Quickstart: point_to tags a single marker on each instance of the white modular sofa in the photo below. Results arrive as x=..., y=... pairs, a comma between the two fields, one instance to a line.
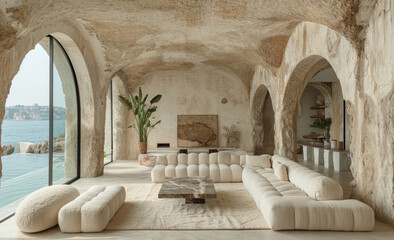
x=220, y=167
x=307, y=201
x=304, y=200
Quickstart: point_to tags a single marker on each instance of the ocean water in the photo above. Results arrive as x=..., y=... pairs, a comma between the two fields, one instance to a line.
x=24, y=173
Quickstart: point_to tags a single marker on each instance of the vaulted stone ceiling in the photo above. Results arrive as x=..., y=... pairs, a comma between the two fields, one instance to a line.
x=141, y=36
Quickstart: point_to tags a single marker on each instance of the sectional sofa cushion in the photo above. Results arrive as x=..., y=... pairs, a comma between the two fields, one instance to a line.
x=192, y=159
x=316, y=185
x=182, y=159
x=39, y=210
x=235, y=159
x=263, y=161
x=280, y=172
x=224, y=158
x=203, y=158
x=213, y=158
x=172, y=159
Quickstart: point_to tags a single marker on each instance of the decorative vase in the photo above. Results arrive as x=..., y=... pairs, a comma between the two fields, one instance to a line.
x=333, y=144
x=340, y=145
x=142, y=147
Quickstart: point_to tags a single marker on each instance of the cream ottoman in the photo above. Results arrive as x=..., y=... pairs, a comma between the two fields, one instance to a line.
x=92, y=210
x=39, y=210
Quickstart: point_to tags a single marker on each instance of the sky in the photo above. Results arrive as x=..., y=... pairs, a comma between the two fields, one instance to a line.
x=31, y=84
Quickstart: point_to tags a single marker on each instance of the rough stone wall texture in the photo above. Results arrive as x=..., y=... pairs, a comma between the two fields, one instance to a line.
x=86, y=69
x=120, y=120
x=337, y=112
x=373, y=134
x=367, y=86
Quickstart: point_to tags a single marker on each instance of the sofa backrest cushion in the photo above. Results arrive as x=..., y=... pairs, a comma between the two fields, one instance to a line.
x=213, y=158
x=235, y=159
x=224, y=158
x=161, y=160
x=316, y=185
x=182, y=159
x=263, y=161
x=203, y=158
x=192, y=159
x=172, y=159
x=280, y=172
x=242, y=160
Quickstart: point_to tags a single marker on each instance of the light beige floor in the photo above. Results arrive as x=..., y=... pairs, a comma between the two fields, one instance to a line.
x=123, y=172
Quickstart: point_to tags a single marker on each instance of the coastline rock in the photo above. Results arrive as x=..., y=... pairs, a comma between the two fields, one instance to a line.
x=41, y=148
x=7, y=150
x=44, y=147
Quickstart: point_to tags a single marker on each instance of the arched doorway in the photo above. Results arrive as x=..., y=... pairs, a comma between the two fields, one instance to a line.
x=41, y=125
x=263, y=122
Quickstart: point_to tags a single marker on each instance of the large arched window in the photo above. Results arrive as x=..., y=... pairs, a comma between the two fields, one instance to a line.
x=41, y=125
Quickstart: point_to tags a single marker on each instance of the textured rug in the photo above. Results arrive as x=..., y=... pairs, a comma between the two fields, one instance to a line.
x=233, y=208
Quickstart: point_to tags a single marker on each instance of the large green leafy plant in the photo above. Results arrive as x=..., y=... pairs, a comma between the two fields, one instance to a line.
x=142, y=113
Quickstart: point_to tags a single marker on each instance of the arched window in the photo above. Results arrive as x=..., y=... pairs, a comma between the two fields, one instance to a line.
x=41, y=126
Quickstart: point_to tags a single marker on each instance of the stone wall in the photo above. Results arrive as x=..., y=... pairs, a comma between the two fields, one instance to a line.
x=80, y=50
x=372, y=132
x=197, y=91
x=366, y=80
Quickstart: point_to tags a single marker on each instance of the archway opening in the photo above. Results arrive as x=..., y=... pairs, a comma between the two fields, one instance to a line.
x=320, y=123
x=40, y=130
x=263, y=122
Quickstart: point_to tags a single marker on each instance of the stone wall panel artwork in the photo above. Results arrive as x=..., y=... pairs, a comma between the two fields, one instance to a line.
x=197, y=130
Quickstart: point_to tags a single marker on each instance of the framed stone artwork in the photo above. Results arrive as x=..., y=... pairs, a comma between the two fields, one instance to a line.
x=197, y=131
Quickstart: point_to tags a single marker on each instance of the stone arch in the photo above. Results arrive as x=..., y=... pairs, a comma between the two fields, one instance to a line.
x=311, y=47
x=84, y=62
x=263, y=118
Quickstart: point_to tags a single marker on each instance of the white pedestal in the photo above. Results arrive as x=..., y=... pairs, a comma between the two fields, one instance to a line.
x=307, y=152
x=341, y=161
x=318, y=157
x=328, y=162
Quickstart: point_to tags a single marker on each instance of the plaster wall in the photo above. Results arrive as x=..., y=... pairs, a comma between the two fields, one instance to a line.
x=195, y=92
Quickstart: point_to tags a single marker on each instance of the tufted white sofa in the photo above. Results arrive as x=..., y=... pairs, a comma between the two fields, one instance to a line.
x=308, y=201
x=220, y=167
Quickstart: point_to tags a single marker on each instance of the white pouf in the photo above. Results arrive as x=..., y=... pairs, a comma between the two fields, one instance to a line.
x=92, y=211
x=38, y=211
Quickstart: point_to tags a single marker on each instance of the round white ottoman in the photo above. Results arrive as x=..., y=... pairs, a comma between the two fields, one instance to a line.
x=39, y=210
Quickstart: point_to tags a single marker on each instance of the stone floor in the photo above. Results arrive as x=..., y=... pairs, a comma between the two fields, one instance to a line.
x=123, y=172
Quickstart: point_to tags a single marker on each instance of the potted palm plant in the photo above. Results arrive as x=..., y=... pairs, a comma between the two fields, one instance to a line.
x=142, y=113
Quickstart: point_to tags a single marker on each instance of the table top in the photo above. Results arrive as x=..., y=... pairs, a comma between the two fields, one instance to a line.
x=184, y=187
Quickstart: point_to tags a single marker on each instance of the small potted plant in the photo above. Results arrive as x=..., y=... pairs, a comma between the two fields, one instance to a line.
x=324, y=123
x=142, y=113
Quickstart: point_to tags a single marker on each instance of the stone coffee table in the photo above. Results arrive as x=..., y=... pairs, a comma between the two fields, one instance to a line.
x=193, y=189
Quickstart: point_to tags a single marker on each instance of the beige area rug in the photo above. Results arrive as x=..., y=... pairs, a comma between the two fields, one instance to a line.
x=233, y=208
